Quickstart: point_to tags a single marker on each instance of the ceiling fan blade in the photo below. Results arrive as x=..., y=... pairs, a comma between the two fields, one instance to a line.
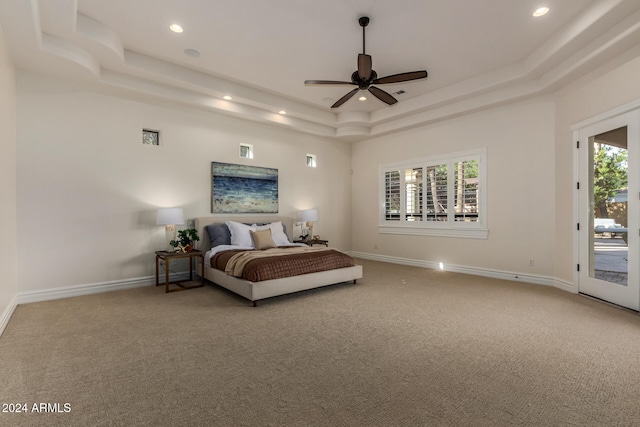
x=327, y=82
x=364, y=66
x=382, y=95
x=402, y=77
x=345, y=98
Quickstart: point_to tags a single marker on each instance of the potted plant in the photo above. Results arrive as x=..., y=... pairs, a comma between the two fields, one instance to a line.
x=185, y=240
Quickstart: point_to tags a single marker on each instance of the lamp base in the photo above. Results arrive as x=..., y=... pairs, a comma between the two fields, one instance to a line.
x=170, y=234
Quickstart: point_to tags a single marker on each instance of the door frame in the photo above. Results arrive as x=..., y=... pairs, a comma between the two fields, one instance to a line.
x=606, y=120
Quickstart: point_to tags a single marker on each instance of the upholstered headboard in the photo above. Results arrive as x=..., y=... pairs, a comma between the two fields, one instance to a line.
x=205, y=242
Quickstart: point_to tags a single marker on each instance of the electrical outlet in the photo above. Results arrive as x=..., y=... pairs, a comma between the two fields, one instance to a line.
x=531, y=263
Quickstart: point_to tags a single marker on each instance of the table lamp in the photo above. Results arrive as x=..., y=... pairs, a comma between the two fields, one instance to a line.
x=309, y=216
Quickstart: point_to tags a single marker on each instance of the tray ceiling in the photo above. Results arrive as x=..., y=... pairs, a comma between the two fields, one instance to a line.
x=478, y=54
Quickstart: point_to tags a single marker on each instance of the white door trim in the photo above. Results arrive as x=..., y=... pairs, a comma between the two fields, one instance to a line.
x=575, y=128
x=623, y=116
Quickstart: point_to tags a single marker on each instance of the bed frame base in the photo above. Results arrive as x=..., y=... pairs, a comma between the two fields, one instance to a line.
x=255, y=303
x=255, y=291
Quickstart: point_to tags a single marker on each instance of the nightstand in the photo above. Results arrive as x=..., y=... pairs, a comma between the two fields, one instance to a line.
x=167, y=257
x=313, y=242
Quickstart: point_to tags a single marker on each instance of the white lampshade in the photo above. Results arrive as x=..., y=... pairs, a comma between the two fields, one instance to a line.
x=309, y=215
x=170, y=216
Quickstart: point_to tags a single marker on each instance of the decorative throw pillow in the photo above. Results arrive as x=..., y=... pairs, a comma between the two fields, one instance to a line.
x=277, y=233
x=218, y=234
x=262, y=239
x=240, y=233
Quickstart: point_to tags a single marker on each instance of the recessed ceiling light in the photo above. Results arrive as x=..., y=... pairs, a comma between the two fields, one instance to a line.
x=362, y=98
x=176, y=28
x=192, y=53
x=541, y=11
x=227, y=97
x=282, y=112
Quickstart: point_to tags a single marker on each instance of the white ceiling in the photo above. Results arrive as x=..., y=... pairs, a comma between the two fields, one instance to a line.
x=479, y=53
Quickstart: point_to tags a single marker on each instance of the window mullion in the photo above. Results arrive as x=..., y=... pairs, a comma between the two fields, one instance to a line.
x=403, y=195
x=451, y=201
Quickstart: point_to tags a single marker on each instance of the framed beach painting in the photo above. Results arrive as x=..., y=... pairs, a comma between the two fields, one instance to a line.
x=243, y=189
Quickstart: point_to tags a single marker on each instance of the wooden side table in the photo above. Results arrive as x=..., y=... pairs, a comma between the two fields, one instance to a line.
x=181, y=285
x=313, y=242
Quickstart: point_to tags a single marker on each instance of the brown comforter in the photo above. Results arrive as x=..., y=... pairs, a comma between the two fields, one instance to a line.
x=300, y=261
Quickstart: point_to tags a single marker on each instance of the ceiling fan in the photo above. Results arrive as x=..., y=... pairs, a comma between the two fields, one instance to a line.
x=365, y=76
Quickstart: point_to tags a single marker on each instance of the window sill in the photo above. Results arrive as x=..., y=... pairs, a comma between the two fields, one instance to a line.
x=467, y=233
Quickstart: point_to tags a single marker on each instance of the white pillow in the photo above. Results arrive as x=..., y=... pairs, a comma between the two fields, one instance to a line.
x=240, y=233
x=277, y=233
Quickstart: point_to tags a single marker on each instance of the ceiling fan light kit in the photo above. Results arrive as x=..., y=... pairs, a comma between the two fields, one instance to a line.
x=365, y=76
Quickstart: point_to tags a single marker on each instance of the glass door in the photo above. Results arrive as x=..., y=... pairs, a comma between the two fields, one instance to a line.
x=608, y=211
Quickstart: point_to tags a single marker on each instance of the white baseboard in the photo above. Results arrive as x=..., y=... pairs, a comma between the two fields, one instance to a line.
x=78, y=290
x=92, y=288
x=7, y=313
x=475, y=271
x=565, y=285
x=69, y=291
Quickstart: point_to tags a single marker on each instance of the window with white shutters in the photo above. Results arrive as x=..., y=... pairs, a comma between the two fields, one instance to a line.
x=413, y=184
x=436, y=203
x=392, y=195
x=466, y=188
x=443, y=196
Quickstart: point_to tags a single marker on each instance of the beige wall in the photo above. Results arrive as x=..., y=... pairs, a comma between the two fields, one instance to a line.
x=88, y=188
x=530, y=172
x=8, y=266
x=519, y=142
x=585, y=99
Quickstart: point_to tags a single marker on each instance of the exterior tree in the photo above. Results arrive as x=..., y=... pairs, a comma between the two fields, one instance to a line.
x=609, y=175
x=466, y=185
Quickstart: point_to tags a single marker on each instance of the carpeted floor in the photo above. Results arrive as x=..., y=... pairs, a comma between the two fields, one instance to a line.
x=403, y=347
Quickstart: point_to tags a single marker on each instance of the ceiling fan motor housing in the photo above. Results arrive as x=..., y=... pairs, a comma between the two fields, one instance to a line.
x=363, y=84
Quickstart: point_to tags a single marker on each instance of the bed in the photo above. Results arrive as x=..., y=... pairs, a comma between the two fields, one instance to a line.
x=258, y=290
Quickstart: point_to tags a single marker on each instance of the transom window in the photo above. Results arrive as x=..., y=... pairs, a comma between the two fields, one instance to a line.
x=443, y=195
x=311, y=160
x=150, y=137
x=246, y=151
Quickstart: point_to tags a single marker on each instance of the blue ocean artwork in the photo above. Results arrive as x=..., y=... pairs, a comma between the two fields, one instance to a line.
x=243, y=189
